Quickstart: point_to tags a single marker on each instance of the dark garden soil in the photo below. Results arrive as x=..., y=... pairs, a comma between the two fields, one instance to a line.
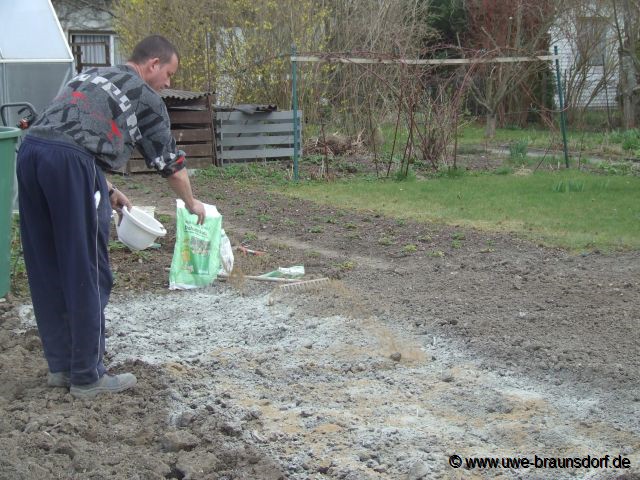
x=556, y=321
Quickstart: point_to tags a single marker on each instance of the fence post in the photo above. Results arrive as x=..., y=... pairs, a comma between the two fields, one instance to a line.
x=563, y=120
x=294, y=94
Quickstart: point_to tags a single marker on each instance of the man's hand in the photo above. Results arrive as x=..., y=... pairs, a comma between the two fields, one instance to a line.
x=118, y=201
x=180, y=184
x=197, y=208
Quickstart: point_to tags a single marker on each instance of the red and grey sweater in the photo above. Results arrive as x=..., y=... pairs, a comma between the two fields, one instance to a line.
x=109, y=111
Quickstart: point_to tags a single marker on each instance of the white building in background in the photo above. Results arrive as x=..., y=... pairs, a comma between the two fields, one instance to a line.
x=89, y=31
x=587, y=46
x=585, y=37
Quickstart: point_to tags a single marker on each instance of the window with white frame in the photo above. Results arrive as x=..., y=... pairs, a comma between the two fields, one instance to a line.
x=93, y=49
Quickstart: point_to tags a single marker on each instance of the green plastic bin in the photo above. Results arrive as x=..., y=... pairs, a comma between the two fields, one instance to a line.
x=8, y=138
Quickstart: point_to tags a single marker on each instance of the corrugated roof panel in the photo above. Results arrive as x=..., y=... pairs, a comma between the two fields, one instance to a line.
x=182, y=94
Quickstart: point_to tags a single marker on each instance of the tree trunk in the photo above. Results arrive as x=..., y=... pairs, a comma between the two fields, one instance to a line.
x=490, y=127
x=628, y=74
x=628, y=83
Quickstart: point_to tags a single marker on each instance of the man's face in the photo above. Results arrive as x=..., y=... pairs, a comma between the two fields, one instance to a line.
x=158, y=75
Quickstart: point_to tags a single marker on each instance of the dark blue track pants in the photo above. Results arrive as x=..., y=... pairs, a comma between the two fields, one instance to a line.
x=65, y=242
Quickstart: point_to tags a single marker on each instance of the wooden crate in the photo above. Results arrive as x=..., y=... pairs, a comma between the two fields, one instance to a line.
x=192, y=126
x=261, y=135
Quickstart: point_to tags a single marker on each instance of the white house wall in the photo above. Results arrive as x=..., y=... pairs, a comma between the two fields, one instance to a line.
x=568, y=53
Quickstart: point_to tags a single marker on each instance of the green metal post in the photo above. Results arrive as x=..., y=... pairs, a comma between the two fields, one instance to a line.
x=296, y=133
x=563, y=118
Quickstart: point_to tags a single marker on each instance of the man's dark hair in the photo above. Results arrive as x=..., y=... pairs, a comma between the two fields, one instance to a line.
x=154, y=46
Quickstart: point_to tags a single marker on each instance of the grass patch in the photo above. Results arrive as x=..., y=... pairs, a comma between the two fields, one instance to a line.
x=596, y=213
x=472, y=140
x=251, y=171
x=409, y=248
x=19, y=284
x=164, y=218
x=570, y=185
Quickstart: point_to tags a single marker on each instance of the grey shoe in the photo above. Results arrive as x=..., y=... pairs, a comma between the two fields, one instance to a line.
x=59, y=379
x=107, y=384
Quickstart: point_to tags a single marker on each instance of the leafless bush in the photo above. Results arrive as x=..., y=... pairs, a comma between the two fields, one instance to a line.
x=593, y=65
x=421, y=99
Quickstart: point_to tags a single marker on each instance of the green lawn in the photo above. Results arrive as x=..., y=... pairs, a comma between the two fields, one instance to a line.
x=471, y=139
x=571, y=209
x=599, y=143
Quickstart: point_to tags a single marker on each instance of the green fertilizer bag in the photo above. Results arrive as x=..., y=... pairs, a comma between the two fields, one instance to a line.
x=196, y=256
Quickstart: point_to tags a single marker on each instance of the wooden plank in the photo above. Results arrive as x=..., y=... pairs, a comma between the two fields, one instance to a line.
x=412, y=61
x=234, y=116
x=193, y=135
x=203, y=116
x=136, y=165
x=257, y=140
x=257, y=128
x=197, y=150
x=192, y=150
x=257, y=153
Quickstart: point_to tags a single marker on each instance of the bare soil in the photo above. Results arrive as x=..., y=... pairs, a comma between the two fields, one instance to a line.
x=466, y=343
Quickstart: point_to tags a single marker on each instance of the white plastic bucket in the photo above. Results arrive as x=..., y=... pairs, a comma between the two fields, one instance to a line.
x=138, y=230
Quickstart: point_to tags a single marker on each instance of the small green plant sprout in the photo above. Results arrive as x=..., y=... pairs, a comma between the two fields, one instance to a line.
x=264, y=218
x=409, y=248
x=458, y=236
x=518, y=151
x=400, y=222
x=332, y=220
x=316, y=229
x=353, y=236
x=385, y=241
x=249, y=237
x=436, y=254
x=240, y=211
x=616, y=168
x=289, y=222
x=142, y=255
x=425, y=238
x=313, y=254
x=456, y=244
x=568, y=186
x=164, y=218
x=347, y=265
x=350, y=226
x=115, y=245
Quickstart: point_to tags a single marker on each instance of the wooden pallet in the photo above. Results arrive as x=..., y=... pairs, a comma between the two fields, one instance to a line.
x=192, y=127
x=261, y=135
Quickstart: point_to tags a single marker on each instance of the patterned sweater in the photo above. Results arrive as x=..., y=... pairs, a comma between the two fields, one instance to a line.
x=109, y=111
